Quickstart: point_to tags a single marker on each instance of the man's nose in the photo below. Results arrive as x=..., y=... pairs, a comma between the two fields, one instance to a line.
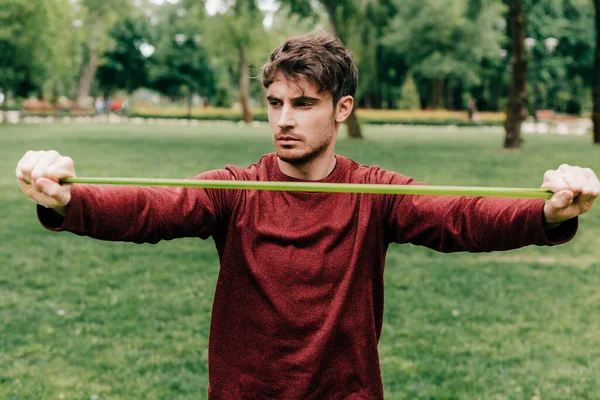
x=286, y=118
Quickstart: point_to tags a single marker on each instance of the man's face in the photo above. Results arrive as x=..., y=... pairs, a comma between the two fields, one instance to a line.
x=302, y=120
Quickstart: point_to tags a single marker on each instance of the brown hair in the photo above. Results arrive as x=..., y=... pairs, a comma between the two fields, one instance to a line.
x=319, y=57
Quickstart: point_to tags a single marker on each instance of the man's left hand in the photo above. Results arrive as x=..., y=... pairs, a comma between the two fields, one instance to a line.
x=575, y=190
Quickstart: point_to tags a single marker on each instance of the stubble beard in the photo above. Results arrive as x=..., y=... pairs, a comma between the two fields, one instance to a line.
x=312, y=153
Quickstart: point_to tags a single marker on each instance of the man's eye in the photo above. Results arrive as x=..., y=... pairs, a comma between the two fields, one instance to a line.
x=274, y=103
x=302, y=104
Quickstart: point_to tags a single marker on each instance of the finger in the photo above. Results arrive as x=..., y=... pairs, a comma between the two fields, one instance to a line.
x=62, y=168
x=548, y=176
x=576, y=179
x=562, y=199
x=592, y=184
x=26, y=164
x=554, y=181
x=48, y=158
x=48, y=187
x=51, y=193
x=564, y=168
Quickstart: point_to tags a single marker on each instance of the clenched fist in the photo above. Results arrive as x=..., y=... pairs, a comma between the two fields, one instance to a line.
x=38, y=173
x=575, y=190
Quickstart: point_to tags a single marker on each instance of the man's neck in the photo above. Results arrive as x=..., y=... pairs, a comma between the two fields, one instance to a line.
x=314, y=170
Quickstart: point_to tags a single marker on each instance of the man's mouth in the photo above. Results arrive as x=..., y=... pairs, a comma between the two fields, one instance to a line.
x=286, y=138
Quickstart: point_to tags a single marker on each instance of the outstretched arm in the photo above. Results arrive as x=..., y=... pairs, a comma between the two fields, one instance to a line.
x=449, y=224
x=118, y=213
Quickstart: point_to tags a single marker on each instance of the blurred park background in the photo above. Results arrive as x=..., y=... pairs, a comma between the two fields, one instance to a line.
x=166, y=89
x=491, y=62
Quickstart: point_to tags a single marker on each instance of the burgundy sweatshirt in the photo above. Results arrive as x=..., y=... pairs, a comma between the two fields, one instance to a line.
x=298, y=306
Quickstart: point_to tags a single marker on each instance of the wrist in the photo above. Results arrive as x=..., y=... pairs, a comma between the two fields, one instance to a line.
x=548, y=226
x=61, y=210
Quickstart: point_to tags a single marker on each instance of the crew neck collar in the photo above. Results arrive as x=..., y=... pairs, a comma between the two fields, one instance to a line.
x=275, y=173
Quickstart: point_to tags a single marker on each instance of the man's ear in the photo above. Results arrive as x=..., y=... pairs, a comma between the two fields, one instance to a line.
x=344, y=108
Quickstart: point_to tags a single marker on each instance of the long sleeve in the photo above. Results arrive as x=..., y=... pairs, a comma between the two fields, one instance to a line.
x=143, y=214
x=475, y=224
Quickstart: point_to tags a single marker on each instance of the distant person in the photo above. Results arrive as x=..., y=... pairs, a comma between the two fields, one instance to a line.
x=115, y=105
x=99, y=105
x=472, y=109
x=107, y=102
x=298, y=307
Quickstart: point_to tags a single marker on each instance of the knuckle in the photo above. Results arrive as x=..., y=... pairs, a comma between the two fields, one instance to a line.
x=50, y=190
x=27, y=169
x=36, y=171
x=24, y=167
x=68, y=162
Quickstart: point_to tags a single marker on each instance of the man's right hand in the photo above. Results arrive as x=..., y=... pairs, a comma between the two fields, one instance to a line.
x=38, y=173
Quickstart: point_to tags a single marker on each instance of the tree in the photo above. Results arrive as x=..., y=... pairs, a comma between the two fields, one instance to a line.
x=562, y=54
x=181, y=66
x=38, y=52
x=409, y=96
x=445, y=43
x=596, y=110
x=237, y=34
x=97, y=17
x=125, y=67
x=517, y=101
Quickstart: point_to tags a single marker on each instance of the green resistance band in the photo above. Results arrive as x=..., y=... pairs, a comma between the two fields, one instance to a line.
x=324, y=187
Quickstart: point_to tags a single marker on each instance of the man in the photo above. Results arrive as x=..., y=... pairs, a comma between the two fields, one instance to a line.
x=298, y=306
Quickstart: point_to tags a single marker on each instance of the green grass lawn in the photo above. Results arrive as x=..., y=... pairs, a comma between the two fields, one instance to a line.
x=85, y=319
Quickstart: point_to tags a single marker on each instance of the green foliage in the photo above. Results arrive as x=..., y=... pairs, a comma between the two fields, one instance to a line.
x=562, y=76
x=361, y=26
x=180, y=66
x=235, y=38
x=409, y=96
x=452, y=48
x=124, y=65
x=462, y=38
x=37, y=47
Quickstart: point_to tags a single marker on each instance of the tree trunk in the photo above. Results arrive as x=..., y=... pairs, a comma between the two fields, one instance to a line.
x=596, y=110
x=189, y=103
x=438, y=93
x=353, y=126
x=244, y=85
x=87, y=77
x=354, y=130
x=517, y=101
x=449, y=88
x=331, y=8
